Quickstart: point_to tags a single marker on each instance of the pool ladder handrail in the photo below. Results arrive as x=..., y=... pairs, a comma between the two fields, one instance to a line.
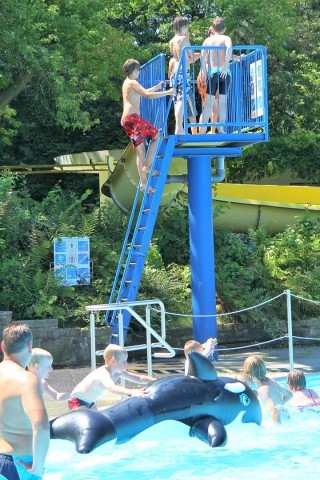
x=129, y=307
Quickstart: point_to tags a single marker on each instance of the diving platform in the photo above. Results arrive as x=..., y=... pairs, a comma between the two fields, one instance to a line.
x=198, y=156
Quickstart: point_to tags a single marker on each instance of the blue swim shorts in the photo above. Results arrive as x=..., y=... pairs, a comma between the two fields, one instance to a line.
x=10, y=469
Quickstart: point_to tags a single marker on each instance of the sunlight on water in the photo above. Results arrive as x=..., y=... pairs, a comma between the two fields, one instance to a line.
x=166, y=452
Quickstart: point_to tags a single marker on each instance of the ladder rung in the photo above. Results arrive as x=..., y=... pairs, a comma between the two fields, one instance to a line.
x=132, y=264
x=142, y=228
x=128, y=281
x=123, y=299
x=138, y=245
x=146, y=210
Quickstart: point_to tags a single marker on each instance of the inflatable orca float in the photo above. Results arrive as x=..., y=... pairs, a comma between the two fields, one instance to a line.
x=200, y=400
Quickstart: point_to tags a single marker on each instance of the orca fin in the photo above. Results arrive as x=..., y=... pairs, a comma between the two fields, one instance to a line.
x=209, y=430
x=201, y=367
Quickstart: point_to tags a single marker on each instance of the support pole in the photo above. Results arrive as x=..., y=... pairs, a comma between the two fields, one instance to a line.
x=202, y=248
x=289, y=319
x=93, y=341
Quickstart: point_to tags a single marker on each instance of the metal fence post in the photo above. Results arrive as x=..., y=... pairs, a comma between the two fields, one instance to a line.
x=289, y=320
x=93, y=341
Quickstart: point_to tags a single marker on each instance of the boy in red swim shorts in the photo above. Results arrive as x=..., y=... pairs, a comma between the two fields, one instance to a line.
x=136, y=128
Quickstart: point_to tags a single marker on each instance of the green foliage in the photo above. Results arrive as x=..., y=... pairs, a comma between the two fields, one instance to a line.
x=298, y=152
x=293, y=258
x=68, y=47
x=172, y=235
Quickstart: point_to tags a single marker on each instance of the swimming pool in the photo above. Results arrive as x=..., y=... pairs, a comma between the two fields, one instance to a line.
x=165, y=451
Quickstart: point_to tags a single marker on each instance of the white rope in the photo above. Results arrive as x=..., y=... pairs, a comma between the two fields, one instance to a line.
x=304, y=338
x=250, y=346
x=306, y=299
x=221, y=314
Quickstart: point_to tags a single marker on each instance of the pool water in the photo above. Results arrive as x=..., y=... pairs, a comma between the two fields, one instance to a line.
x=166, y=452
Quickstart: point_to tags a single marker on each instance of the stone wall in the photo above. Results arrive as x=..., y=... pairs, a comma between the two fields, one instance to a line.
x=71, y=346
x=68, y=346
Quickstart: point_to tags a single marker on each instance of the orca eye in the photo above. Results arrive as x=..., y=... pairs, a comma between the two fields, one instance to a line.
x=244, y=399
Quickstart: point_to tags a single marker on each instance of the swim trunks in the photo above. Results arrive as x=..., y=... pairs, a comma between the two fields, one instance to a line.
x=138, y=129
x=10, y=469
x=191, y=106
x=76, y=402
x=7, y=467
x=216, y=83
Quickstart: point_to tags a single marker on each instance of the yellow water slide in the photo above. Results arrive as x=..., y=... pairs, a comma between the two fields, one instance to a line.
x=272, y=206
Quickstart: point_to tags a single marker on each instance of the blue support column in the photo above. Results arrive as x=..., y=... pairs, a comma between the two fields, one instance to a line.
x=202, y=248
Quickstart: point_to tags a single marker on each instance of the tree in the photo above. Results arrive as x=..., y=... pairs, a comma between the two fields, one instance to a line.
x=67, y=48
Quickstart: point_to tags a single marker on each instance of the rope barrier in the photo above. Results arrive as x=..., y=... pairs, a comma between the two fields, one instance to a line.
x=286, y=336
x=306, y=299
x=221, y=314
x=304, y=338
x=250, y=346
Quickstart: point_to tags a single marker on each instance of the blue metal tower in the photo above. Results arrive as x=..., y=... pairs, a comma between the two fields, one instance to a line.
x=246, y=124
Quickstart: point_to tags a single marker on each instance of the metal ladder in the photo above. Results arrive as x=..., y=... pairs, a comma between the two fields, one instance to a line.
x=136, y=250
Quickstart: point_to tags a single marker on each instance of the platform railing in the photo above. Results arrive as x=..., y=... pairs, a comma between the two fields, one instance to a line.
x=247, y=97
x=150, y=331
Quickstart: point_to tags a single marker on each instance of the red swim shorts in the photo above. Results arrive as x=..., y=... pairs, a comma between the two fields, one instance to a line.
x=137, y=129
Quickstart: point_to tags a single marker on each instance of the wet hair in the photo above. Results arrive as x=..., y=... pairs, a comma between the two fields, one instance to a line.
x=218, y=25
x=16, y=337
x=254, y=366
x=296, y=379
x=180, y=22
x=114, y=351
x=130, y=65
x=192, y=346
x=38, y=354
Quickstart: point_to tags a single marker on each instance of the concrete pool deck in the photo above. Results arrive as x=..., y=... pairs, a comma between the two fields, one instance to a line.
x=230, y=362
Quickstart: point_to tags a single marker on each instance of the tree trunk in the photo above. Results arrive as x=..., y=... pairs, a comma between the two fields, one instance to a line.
x=12, y=91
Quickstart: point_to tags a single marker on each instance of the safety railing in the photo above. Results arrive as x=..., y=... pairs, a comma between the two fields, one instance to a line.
x=154, y=110
x=150, y=331
x=246, y=98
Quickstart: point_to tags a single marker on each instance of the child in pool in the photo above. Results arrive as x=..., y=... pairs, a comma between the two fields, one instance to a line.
x=271, y=394
x=104, y=379
x=302, y=397
x=41, y=365
x=205, y=349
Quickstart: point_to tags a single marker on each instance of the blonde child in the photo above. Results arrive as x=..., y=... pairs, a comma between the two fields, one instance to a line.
x=302, y=397
x=41, y=365
x=104, y=379
x=205, y=349
x=271, y=394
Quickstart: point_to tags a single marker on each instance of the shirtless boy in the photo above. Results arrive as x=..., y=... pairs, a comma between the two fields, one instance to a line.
x=177, y=43
x=215, y=67
x=104, y=378
x=24, y=425
x=271, y=394
x=41, y=365
x=136, y=128
x=303, y=397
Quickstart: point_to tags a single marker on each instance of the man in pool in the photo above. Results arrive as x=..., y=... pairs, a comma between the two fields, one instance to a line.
x=24, y=424
x=104, y=379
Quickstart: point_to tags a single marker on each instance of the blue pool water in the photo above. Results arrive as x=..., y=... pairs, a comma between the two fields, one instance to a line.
x=166, y=452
